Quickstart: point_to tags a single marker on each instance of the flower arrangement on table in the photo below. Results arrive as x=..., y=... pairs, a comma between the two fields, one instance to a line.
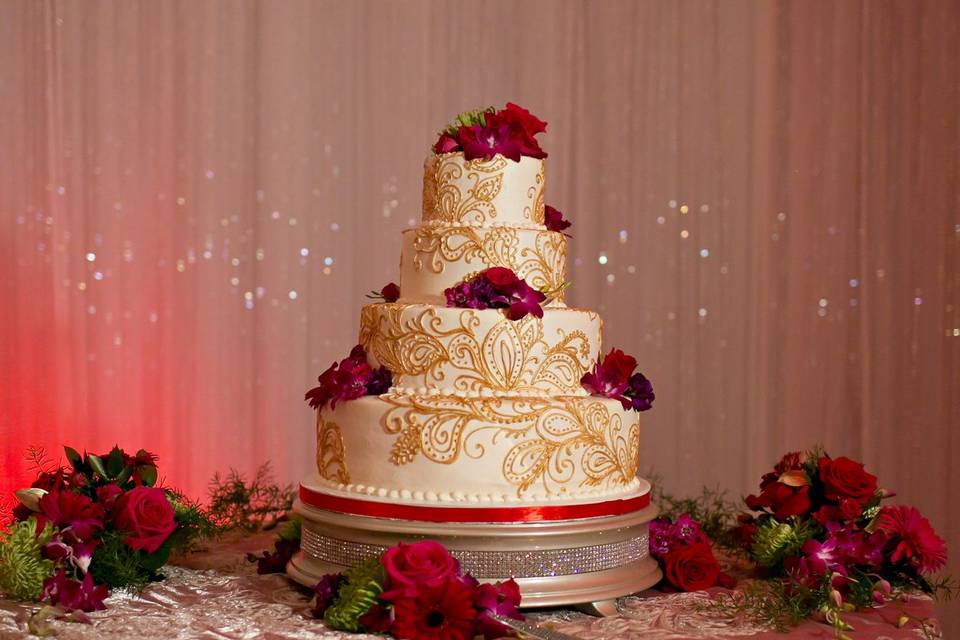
x=821, y=540
x=411, y=591
x=99, y=524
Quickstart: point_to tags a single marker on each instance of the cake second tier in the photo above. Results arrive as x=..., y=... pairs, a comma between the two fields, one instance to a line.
x=480, y=353
x=439, y=255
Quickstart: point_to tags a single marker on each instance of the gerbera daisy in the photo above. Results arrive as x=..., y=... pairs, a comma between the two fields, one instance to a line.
x=915, y=539
x=443, y=612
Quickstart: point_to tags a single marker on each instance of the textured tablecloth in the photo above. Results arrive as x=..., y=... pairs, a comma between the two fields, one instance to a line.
x=216, y=593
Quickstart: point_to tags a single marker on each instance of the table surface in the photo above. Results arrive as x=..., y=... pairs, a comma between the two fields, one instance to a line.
x=216, y=593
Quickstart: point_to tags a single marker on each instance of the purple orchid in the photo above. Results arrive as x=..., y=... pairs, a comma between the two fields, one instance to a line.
x=487, y=141
x=275, y=561
x=497, y=288
x=380, y=380
x=639, y=393
x=502, y=599
x=661, y=536
x=686, y=529
x=326, y=592
x=348, y=379
x=59, y=590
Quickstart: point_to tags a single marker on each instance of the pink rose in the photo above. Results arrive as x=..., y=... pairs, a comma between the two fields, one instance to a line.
x=146, y=516
x=410, y=566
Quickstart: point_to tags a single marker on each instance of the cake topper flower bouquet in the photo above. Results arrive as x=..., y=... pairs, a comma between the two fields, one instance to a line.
x=98, y=524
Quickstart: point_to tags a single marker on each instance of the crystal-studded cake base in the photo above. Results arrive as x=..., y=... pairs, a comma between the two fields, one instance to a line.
x=563, y=562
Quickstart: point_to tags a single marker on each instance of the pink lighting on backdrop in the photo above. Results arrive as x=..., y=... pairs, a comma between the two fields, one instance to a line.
x=194, y=199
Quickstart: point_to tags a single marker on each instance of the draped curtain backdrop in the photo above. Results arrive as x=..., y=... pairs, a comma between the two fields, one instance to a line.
x=195, y=197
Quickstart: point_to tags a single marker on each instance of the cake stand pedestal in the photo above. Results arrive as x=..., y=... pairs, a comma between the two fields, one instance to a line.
x=587, y=562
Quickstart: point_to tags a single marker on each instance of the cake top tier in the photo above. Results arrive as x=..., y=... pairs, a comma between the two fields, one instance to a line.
x=483, y=192
x=487, y=168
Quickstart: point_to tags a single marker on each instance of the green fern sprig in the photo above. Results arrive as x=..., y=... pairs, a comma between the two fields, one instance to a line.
x=776, y=540
x=364, y=583
x=22, y=568
x=468, y=119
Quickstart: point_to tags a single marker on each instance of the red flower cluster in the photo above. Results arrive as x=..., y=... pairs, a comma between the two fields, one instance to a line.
x=99, y=495
x=425, y=597
x=614, y=377
x=509, y=132
x=497, y=288
x=830, y=489
x=431, y=599
x=685, y=555
x=350, y=378
x=818, y=521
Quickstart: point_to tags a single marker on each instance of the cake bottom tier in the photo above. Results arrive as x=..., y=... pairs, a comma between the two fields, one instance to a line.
x=449, y=450
x=555, y=563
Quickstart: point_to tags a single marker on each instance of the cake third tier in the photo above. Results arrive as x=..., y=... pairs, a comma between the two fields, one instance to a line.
x=480, y=353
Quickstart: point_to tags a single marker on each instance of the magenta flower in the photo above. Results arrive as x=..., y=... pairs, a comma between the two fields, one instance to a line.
x=486, y=142
x=502, y=599
x=611, y=376
x=350, y=378
x=73, y=595
x=525, y=300
x=661, y=536
x=686, y=529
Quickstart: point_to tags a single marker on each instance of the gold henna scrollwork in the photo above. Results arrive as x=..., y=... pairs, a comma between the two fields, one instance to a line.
x=512, y=356
x=552, y=441
x=443, y=198
x=331, y=460
x=543, y=265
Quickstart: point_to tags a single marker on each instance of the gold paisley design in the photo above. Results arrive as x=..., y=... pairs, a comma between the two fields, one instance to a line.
x=552, y=440
x=537, y=193
x=543, y=266
x=443, y=198
x=331, y=461
x=512, y=356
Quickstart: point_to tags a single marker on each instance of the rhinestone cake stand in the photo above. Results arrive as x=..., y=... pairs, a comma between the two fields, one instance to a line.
x=585, y=561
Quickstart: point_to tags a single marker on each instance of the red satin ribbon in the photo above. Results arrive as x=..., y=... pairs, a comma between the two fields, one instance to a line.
x=392, y=510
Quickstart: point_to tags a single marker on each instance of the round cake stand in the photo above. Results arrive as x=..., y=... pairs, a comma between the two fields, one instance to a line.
x=587, y=562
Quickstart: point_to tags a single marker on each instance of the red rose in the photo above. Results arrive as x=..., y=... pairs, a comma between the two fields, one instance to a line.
x=691, y=568
x=501, y=277
x=844, y=478
x=410, y=566
x=620, y=364
x=146, y=516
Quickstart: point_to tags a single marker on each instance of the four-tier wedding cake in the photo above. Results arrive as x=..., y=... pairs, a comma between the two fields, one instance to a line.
x=475, y=394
